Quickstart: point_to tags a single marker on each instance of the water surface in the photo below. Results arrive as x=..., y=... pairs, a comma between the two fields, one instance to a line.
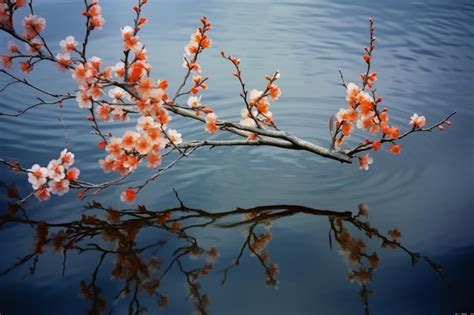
x=424, y=58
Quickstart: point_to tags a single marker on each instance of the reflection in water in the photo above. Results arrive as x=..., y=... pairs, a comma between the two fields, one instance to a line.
x=425, y=54
x=141, y=266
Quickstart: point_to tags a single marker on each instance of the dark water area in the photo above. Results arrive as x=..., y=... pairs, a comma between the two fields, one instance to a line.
x=425, y=63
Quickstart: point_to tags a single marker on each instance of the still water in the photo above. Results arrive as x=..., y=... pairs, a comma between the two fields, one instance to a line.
x=425, y=61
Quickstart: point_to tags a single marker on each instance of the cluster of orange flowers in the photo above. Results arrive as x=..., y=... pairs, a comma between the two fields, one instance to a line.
x=33, y=25
x=198, y=42
x=258, y=246
x=131, y=89
x=54, y=179
x=94, y=15
x=259, y=105
x=87, y=75
x=7, y=8
x=363, y=111
x=354, y=251
x=140, y=91
x=258, y=109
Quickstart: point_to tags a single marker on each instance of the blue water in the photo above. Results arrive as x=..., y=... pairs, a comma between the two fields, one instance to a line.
x=425, y=62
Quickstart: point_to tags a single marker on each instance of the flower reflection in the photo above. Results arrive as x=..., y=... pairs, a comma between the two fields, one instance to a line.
x=140, y=267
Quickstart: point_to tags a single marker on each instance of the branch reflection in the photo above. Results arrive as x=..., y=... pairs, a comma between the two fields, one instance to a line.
x=141, y=267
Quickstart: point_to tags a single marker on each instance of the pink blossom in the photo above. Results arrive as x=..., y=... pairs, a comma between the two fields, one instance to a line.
x=365, y=161
x=69, y=44
x=56, y=170
x=417, y=121
x=59, y=187
x=37, y=176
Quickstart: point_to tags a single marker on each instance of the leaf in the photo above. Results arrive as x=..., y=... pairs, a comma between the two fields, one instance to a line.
x=331, y=124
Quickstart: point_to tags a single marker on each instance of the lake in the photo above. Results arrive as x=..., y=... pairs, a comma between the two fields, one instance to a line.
x=424, y=58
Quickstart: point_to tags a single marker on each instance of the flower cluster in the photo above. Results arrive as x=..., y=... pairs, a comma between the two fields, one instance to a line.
x=92, y=79
x=131, y=90
x=354, y=251
x=258, y=247
x=7, y=9
x=132, y=85
x=68, y=45
x=125, y=153
x=198, y=42
x=258, y=243
x=94, y=15
x=258, y=109
x=363, y=112
x=55, y=178
x=257, y=103
x=129, y=84
x=194, y=102
x=32, y=24
x=87, y=75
